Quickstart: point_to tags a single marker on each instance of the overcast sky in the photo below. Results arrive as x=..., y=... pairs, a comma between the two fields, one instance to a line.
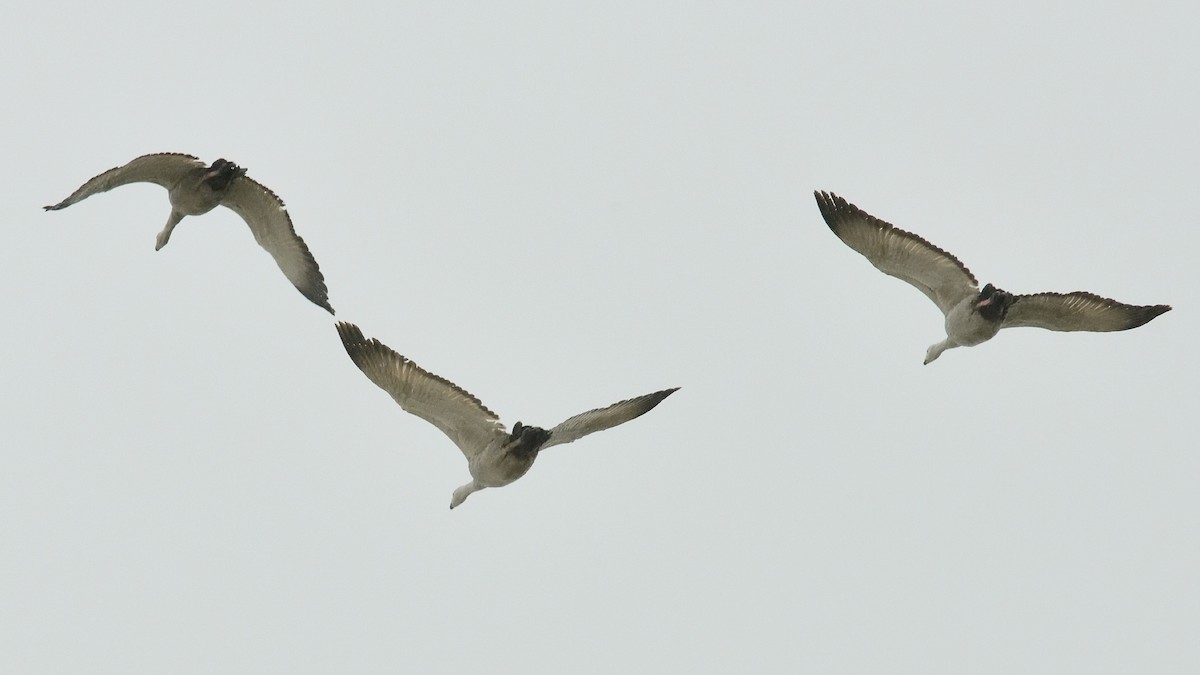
x=558, y=206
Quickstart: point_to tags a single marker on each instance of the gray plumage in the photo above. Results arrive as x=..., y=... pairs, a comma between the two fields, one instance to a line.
x=972, y=315
x=495, y=457
x=195, y=189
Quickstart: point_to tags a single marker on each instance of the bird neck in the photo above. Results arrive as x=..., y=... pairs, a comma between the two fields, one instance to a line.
x=461, y=494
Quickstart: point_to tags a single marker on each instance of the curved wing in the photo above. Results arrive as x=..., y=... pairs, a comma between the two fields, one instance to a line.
x=605, y=418
x=1077, y=311
x=268, y=219
x=900, y=254
x=164, y=168
x=436, y=400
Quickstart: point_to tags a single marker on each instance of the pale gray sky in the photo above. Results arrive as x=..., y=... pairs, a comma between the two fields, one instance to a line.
x=558, y=207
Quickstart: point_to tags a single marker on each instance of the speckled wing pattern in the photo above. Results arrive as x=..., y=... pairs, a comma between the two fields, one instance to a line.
x=162, y=168
x=605, y=418
x=1078, y=311
x=904, y=255
x=268, y=219
x=436, y=400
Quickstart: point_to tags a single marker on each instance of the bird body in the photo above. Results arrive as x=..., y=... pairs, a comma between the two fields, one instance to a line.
x=200, y=189
x=968, y=324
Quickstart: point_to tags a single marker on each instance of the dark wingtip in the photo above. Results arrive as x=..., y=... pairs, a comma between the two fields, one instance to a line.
x=660, y=396
x=1147, y=314
x=349, y=332
x=318, y=297
x=353, y=341
x=831, y=207
x=352, y=337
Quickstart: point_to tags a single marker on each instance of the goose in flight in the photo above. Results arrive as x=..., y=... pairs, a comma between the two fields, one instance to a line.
x=495, y=457
x=972, y=315
x=195, y=189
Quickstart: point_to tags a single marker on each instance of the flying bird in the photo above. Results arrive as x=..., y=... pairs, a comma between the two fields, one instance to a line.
x=195, y=189
x=495, y=457
x=973, y=315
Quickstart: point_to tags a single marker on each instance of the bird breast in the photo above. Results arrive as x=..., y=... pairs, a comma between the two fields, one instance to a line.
x=496, y=466
x=966, y=327
x=192, y=197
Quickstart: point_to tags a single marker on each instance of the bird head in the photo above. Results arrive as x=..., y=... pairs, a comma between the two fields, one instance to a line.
x=460, y=495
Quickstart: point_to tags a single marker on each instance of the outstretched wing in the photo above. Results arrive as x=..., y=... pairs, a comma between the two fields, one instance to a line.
x=438, y=401
x=605, y=418
x=268, y=219
x=1078, y=311
x=164, y=168
x=901, y=254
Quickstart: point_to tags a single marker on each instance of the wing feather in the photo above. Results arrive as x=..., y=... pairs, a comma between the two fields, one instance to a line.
x=605, y=418
x=904, y=255
x=163, y=168
x=1078, y=311
x=268, y=219
x=436, y=400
